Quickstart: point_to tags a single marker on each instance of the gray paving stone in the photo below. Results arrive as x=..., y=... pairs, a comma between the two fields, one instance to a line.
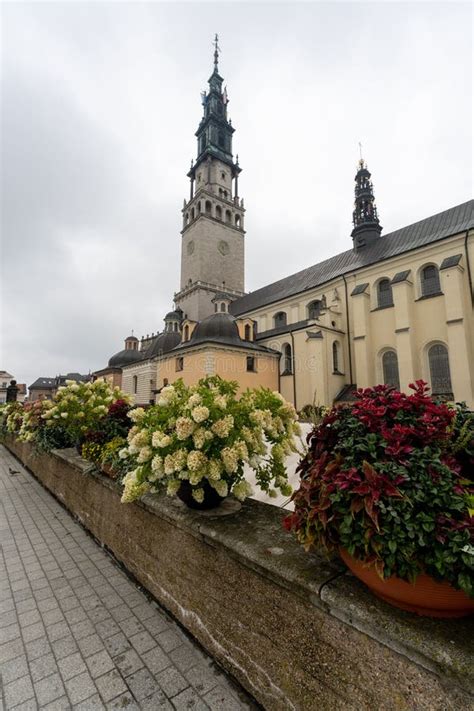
x=117, y=644
x=184, y=657
x=171, y=681
x=220, y=699
x=13, y=669
x=99, y=663
x=18, y=691
x=168, y=640
x=80, y=688
x=49, y=689
x=33, y=632
x=61, y=704
x=43, y=666
x=125, y=701
x=156, y=660
x=93, y=703
x=131, y=626
x=142, y=684
x=37, y=648
x=29, y=617
x=142, y=642
x=111, y=685
x=90, y=645
x=128, y=662
x=71, y=666
x=189, y=700
x=64, y=647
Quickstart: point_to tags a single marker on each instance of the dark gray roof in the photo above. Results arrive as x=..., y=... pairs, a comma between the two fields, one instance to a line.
x=125, y=357
x=162, y=343
x=220, y=328
x=451, y=261
x=450, y=222
x=401, y=276
x=359, y=289
x=43, y=383
x=287, y=328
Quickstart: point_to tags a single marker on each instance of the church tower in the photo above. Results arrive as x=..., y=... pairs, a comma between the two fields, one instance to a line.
x=213, y=236
x=367, y=227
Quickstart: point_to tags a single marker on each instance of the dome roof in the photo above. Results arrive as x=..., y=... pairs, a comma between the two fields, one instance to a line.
x=163, y=343
x=125, y=357
x=174, y=316
x=217, y=327
x=132, y=338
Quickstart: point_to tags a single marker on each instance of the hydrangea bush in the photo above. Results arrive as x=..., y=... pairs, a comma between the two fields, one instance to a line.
x=206, y=434
x=389, y=479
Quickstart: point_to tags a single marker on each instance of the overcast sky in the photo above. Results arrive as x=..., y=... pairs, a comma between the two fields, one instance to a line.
x=99, y=106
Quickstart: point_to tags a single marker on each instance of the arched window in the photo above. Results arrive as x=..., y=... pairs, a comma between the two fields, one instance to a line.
x=384, y=294
x=390, y=369
x=192, y=214
x=186, y=219
x=430, y=280
x=247, y=332
x=221, y=139
x=208, y=207
x=335, y=357
x=440, y=374
x=218, y=212
x=237, y=220
x=186, y=333
x=223, y=307
x=279, y=319
x=287, y=360
x=135, y=383
x=314, y=309
x=228, y=216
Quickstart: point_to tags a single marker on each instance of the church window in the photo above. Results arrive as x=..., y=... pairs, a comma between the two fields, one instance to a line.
x=215, y=308
x=186, y=333
x=223, y=176
x=228, y=216
x=430, y=281
x=218, y=212
x=384, y=294
x=192, y=214
x=335, y=357
x=390, y=369
x=208, y=207
x=279, y=319
x=247, y=332
x=237, y=220
x=221, y=139
x=223, y=307
x=135, y=383
x=179, y=364
x=314, y=309
x=251, y=364
x=287, y=360
x=440, y=374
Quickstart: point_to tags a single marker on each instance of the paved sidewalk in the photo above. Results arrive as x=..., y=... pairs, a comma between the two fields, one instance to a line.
x=75, y=633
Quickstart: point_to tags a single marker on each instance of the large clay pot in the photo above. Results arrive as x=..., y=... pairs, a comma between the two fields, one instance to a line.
x=425, y=596
x=211, y=497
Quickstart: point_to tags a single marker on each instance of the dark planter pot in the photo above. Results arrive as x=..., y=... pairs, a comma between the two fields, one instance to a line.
x=425, y=596
x=211, y=497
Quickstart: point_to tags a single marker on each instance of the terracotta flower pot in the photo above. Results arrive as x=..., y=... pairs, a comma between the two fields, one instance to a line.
x=425, y=596
x=211, y=497
x=108, y=471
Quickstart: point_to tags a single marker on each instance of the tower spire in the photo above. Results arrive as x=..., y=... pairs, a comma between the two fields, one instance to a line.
x=367, y=227
x=217, y=49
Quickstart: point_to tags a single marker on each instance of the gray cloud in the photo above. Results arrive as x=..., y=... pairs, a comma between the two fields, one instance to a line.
x=99, y=107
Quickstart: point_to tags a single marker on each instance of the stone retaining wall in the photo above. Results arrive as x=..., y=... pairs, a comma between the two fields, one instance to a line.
x=297, y=631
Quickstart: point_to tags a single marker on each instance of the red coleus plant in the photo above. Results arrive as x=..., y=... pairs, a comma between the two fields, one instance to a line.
x=388, y=479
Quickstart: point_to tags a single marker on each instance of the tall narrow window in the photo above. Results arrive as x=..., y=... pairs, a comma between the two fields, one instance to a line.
x=179, y=363
x=247, y=332
x=251, y=364
x=186, y=333
x=440, y=374
x=279, y=319
x=218, y=212
x=390, y=369
x=314, y=309
x=208, y=207
x=430, y=280
x=135, y=383
x=335, y=357
x=287, y=360
x=384, y=291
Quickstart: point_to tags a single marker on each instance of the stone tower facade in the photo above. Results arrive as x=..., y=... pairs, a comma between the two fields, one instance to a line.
x=367, y=227
x=213, y=236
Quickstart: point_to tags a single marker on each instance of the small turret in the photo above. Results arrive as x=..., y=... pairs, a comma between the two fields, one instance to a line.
x=367, y=228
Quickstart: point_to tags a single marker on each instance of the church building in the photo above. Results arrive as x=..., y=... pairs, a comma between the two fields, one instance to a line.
x=391, y=309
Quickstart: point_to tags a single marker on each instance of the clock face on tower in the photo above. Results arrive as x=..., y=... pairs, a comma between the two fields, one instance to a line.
x=223, y=247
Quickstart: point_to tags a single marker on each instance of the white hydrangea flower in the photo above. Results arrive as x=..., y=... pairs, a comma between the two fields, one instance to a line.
x=157, y=464
x=173, y=486
x=144, y=455
x=198, y=495
x=242, y=490
x=221, y=487
x=196, y=461
x=222, y=427
x=215, y=469
x=137, y=414
x=194, y=400
x=221, y=401
x=200, y=413
x=184, y=427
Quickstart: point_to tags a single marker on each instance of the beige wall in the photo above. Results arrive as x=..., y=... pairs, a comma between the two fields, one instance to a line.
x=409, y=327
x=145, y=374
x=229, y=364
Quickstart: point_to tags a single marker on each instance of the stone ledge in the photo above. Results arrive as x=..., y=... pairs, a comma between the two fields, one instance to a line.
x=317, y=596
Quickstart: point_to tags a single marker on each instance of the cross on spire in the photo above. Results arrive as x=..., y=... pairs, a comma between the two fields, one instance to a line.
x=217, y=49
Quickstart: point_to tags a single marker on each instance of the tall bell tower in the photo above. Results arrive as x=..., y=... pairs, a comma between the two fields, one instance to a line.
x=213, y=236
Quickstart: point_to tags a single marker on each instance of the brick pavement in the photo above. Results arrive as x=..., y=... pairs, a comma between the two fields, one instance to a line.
x=75, y=632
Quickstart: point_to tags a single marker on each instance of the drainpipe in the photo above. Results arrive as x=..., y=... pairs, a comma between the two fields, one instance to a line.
x=469, y=274
x=293, y=364
x=348, y=332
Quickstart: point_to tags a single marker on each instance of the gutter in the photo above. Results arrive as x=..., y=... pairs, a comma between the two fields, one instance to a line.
x=469, y=274
x=294, y=368
x=348, y=331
